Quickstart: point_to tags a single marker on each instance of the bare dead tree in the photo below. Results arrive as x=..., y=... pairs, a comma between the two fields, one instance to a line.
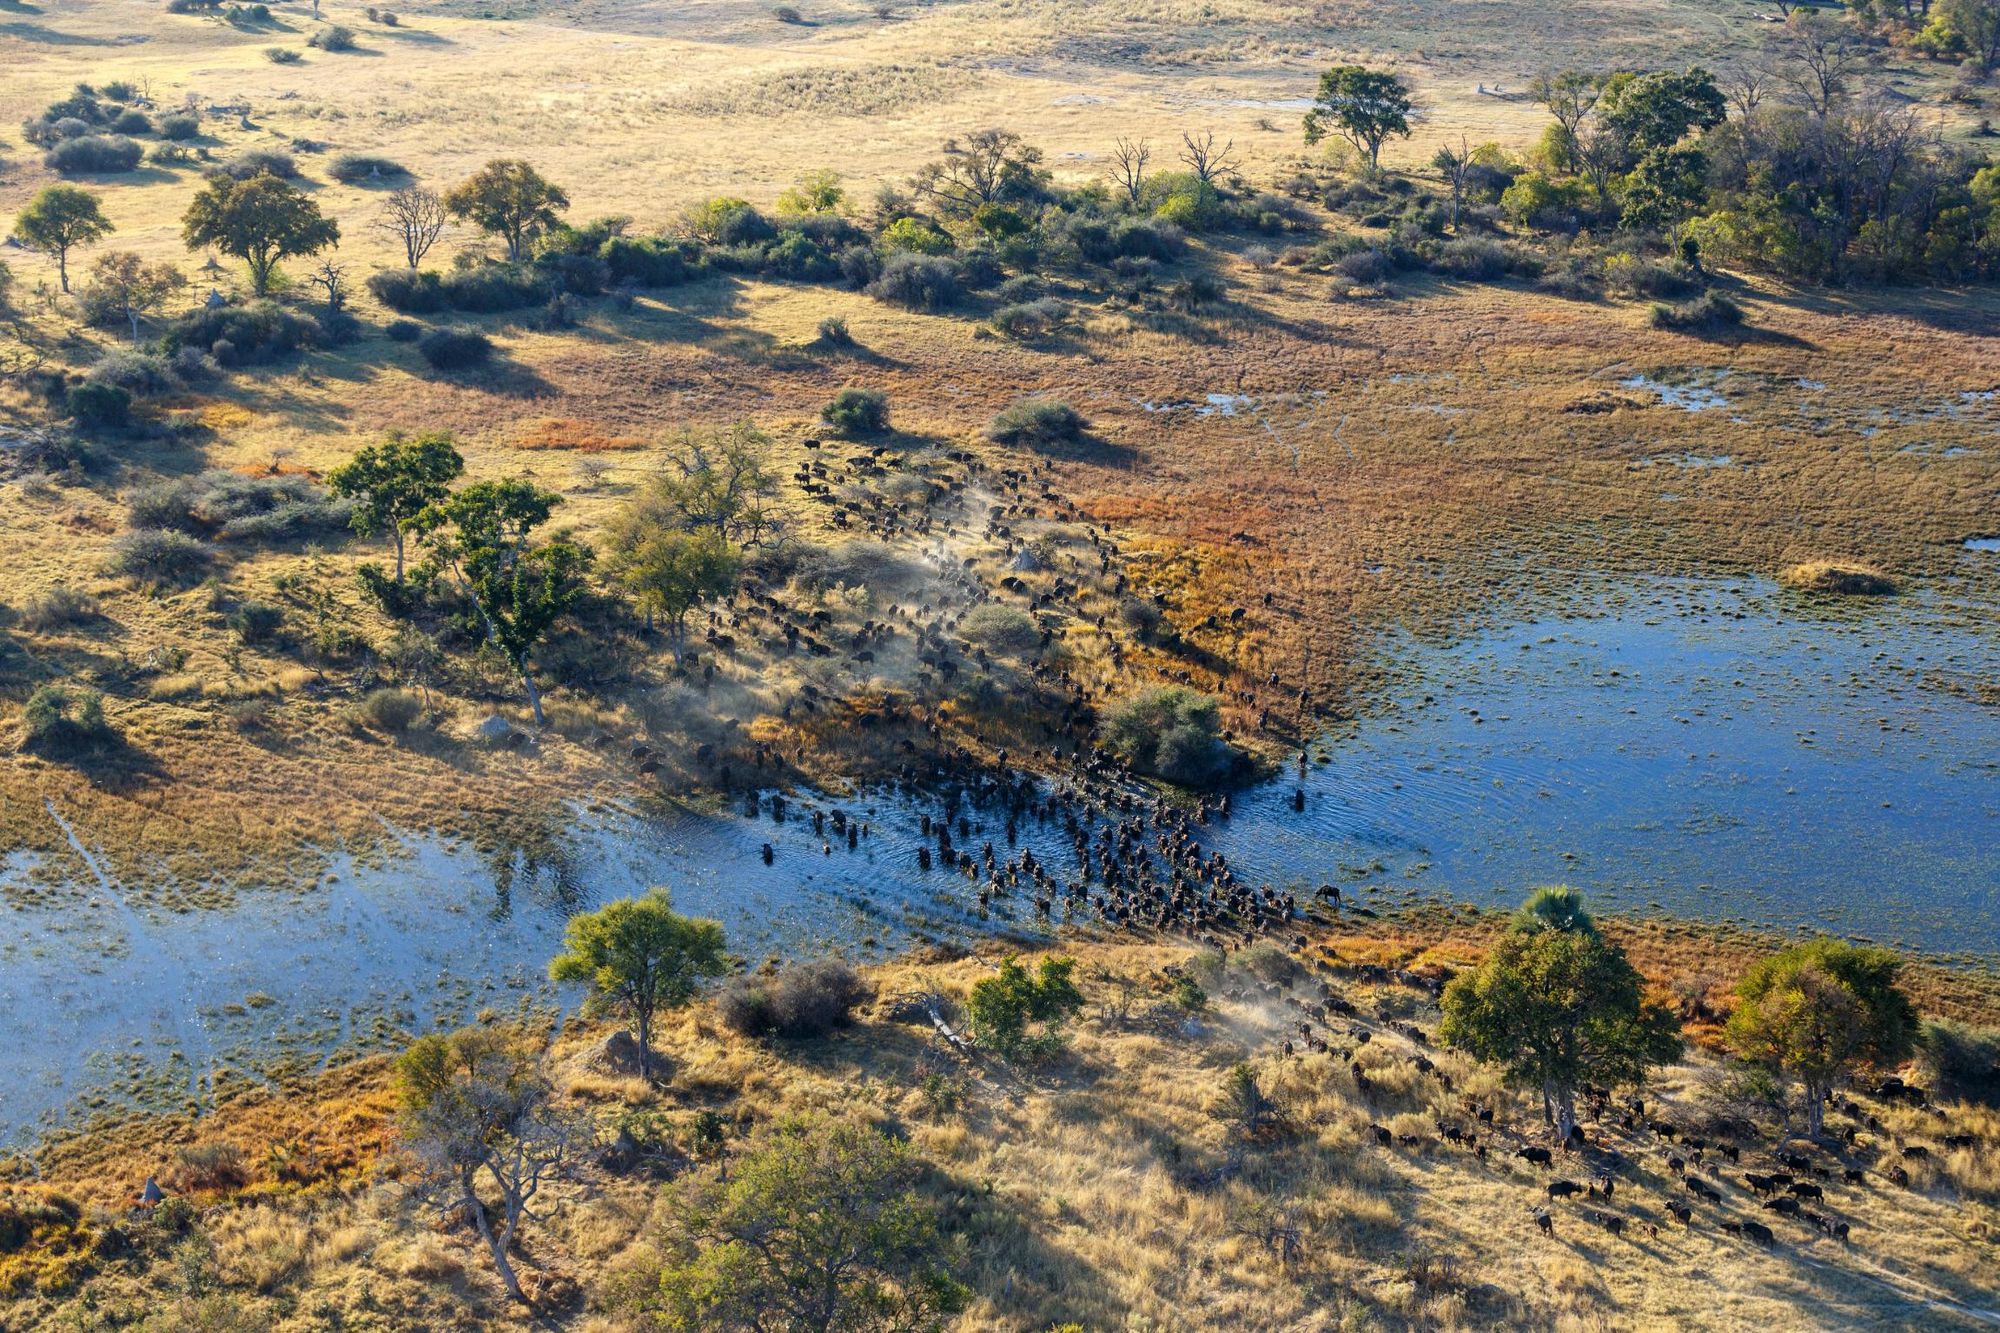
x=1821, y=57
x=1128, y=166
x=1746, y=83
x=415, y=216
x=1455, y=164
x=1203, y=158
x=331, y=279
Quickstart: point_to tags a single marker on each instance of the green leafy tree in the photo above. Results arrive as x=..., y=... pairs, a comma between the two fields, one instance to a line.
x=510, y=199
x=1972, y=26
x=716, y=481
x=1021, y=1015
x=985, y=167
x=477, y=1115
x=816, y=192
x=57, y=220
x=640, y=955
x=1556, y=1005
x=1660, y=109
x=262, y=221
x=483, y=535
x=391, y=483
x=1665, y=189
x=669, y=572
x=824, y=1226
x=1816, y=1011
x=1363, y=106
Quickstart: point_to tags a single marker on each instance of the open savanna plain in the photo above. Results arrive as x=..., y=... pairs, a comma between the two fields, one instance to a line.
x=1290, y=474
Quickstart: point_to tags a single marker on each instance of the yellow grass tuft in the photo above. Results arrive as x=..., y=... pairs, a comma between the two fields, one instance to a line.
x=1838, y=576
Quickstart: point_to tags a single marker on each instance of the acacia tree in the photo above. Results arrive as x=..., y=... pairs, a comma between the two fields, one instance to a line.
x=985, y=167
x=640, y=955
x=261, y=221
x=669, y=572
x=483, y=535
x=123, y=284
x=477, y=1116
x=415, y=217
x=509, y=199
x=1363, y=106
x=825, y=1225
x=1557, y=1005
x=391, y=483
x=57, y=220
x=1817, y=1010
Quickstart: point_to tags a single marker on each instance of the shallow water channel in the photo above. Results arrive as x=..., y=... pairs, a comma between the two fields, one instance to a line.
x=1729, y=752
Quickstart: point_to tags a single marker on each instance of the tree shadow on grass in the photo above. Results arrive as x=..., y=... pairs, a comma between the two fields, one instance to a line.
x=47, y=36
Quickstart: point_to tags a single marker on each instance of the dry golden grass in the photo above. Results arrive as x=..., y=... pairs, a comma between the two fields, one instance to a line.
x=1105, y=1191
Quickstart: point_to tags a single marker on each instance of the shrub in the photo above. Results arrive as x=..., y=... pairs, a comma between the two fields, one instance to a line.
x=1031, y=319
x=1172, y=733
x=1037, y=422
x=155, y=556
x=857, y=412
x=403, y=330
x=804, y=1000
x=91, y=404
x=241, y=334
x=487, y=289
x=54, y=450
x=257, y=622
x=391, y=710
x=1481, y=259
x=283, y=55
x=137, y=373
x=1021, y=1016
x=918, y=282
x=230, y=506
x=787, y=14
x=1707, y=313
x=131, y=123
x=917, y=237
x=172, y=155
x=211, y=1166
x=834, y=333
x=649, y=262
x=1963, y=1061
x=258, y=162
x=89, y=153
x=455, y=349
x=727, y=221
x=1000, y=629
x=333, y=37
x=1183, y=199
x=353, y=168
x=61, y=607
x=65, y=721
x=179, y=126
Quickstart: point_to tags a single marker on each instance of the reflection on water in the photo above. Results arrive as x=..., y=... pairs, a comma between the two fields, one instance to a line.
x=1722, y=753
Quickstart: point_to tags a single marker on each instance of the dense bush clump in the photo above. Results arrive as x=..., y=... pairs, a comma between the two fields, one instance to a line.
x=62, y=721
x=1000, y=629
x=918, y=282
x=403, y=330
x=1036, y=421
x=455, y=349
x=179, y=126
x=353, y=168
x=93, y=153
x=95, y=404
x=334, y=37
x=804, y=1000
x=61, y=607
x=857, y=412
x=1710, y=312
x=242, y=334
x=488, y=289
x=259, y=162
x=1172, y=733
x=391, y=710
x=153, y=555
x=232, y=507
